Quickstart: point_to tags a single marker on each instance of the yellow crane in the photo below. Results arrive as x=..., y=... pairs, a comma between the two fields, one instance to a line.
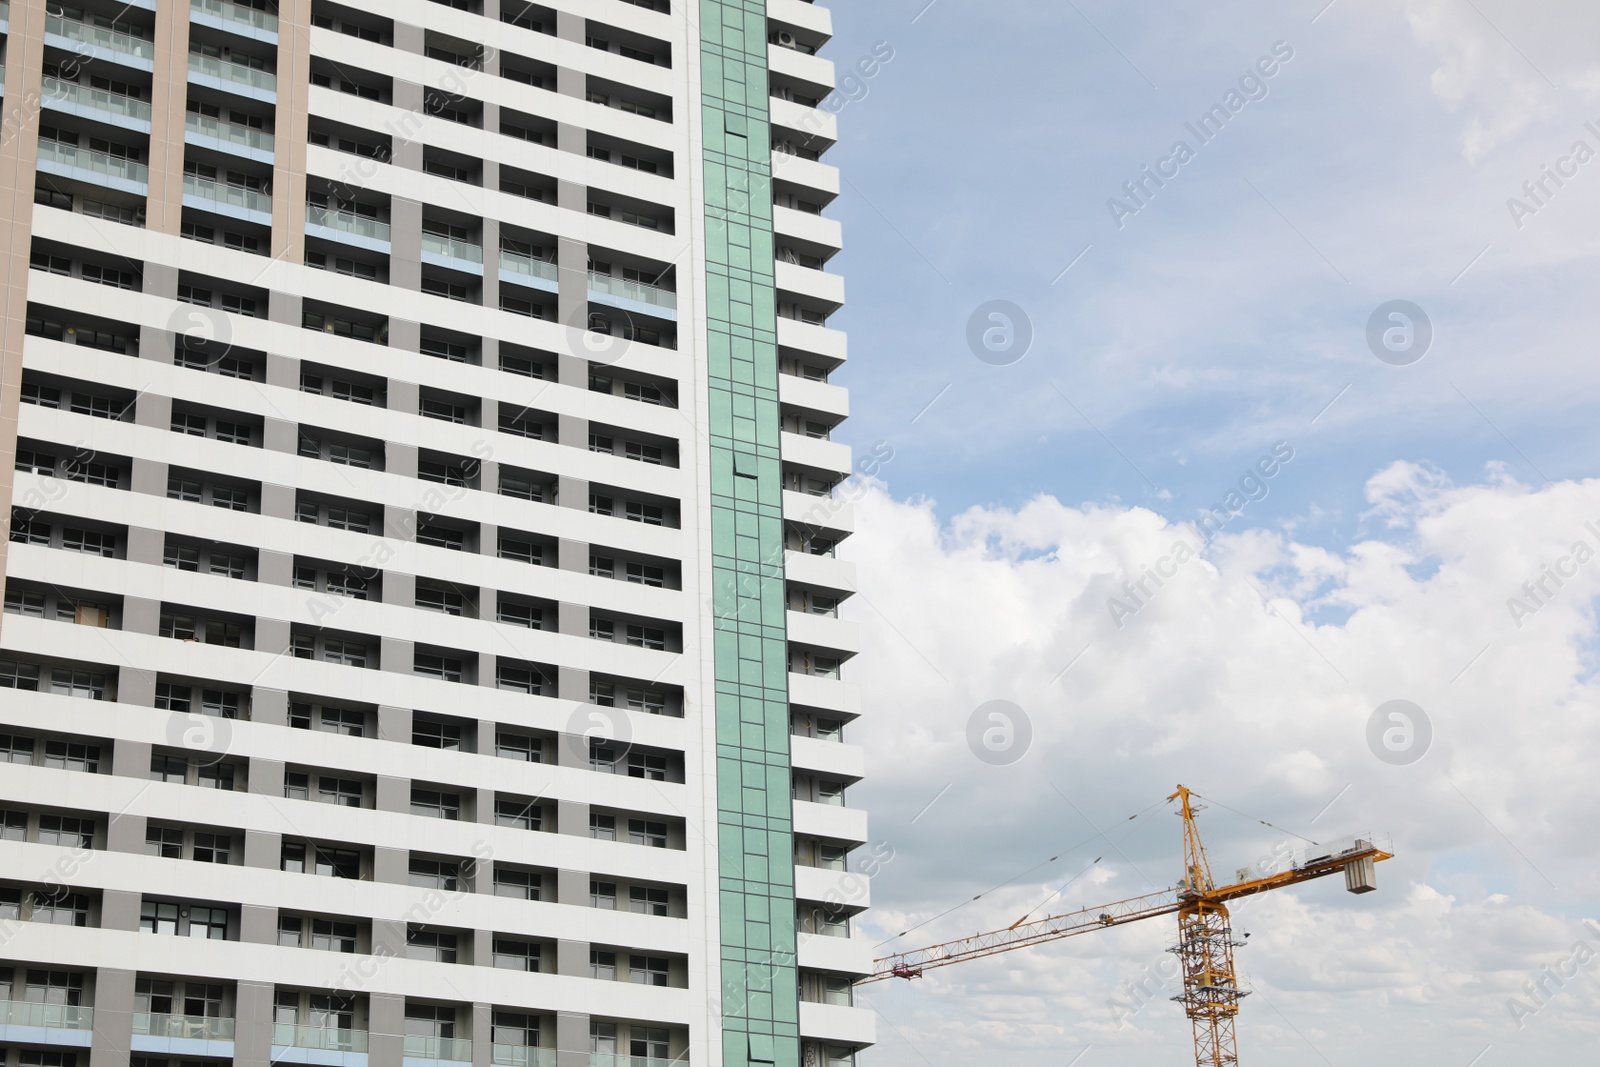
x=1205, y=944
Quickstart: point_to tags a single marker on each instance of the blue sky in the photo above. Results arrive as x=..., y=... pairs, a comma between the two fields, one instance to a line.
x=1230, y=313
x=1232, y=308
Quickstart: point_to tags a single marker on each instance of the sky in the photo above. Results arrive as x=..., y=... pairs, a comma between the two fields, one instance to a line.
x=1417, y=538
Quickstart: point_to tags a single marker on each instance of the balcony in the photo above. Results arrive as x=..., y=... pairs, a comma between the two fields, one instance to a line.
x=99, y=42
x=97, y=168
x=317, y=1038
x=228, y=137
x=46, y=1024
x=348, y=227
x=191, y=1027
x=233, y=77
x=235, y=18
x=232, y=200
x=446, y=1049
x=524, y=1056
x=605, y=1059
x=525, y=270
x=98, y=104
x=633, y=296
x=451, y=252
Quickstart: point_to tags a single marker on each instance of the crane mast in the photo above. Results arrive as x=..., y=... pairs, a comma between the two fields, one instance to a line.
x=1205, y=943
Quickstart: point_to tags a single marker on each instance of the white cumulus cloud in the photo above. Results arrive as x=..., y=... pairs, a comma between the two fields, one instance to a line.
x=1250, y=676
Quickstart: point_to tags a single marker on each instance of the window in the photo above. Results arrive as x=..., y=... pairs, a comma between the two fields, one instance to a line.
x=516, y=486
x=517, y=812
x=643, y=900
x=340, y=792
x=430, y=945
x=603, y=895
x=602, y=629
x=434, y=874
x=166, y=843
x=432, y=733
x=433, y=598
x=338, y=862
x=648, y=765
x=14, y=825
x=208, y=923
x=645, y=394
x=643, y=832
x=215, y=776
x=642, y=452
x=647, y=637
x=14, y=749
x=602, y=566
x=441, y=537
x=518, y=747
x=525, y=615
x=72, y=756
x=521, y=551
x=515, y=956
x=212, y=848
x=522, y=885
x=648, y=1042
x=435, y=804
x=603, y=965
x=292, y=856
x=91, y=542
x=14, y=675
x=649, y=514
x=156, y=917
x=445, y=668
x=518, y=678
x=647, y=970
x=643, y=574
x=602, y=827
x=331, y=935
x=60, y=908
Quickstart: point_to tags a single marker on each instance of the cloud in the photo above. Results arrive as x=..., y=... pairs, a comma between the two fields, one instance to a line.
x=1228, y=680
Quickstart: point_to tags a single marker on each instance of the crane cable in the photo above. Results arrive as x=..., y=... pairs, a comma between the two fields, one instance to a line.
x=1064, y=852
x=1263, y=822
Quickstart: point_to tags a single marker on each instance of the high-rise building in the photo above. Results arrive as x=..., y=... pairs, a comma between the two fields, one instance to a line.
x=421, y=640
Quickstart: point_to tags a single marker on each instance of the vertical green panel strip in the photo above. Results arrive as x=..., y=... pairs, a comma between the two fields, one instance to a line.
x=760, y=986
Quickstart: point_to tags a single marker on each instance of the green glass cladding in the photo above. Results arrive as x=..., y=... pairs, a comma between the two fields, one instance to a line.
x=760, y=986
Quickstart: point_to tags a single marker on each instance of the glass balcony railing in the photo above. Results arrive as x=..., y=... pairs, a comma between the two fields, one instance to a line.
x=206, y=126
x=68, y=155
x=100, y=37
x=524, y=1056
x=454, y=1049
x=346, y=222
x=517, y=263
x=440, y=245
x=237, y=73
x=232, y=195
x=324, y=1038
x=631, y=290
x=99, y=99
x=48, y=1016
x=197, y=1027
x=261, y=20
x=605, y=1059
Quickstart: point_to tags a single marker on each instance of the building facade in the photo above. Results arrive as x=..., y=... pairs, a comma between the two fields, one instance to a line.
x=421, y=638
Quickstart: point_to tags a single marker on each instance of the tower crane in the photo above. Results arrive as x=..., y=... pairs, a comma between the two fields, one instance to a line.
x=1211, y=991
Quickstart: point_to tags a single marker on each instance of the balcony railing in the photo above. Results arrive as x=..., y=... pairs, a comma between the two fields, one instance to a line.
x=197, y=1027
x=261, y=20
x=232, y=195
x=97, y=162
x=47, y=1016
x=232, y=72
x=99, y=99
x=346, y=222
x=524, y=1056
x=324, y=1038
x=206, y=126
x=631, y=290
x=517, y=263
x=440, y=245
x=454, y=1049
x=99, y=37
x=605, y=1059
